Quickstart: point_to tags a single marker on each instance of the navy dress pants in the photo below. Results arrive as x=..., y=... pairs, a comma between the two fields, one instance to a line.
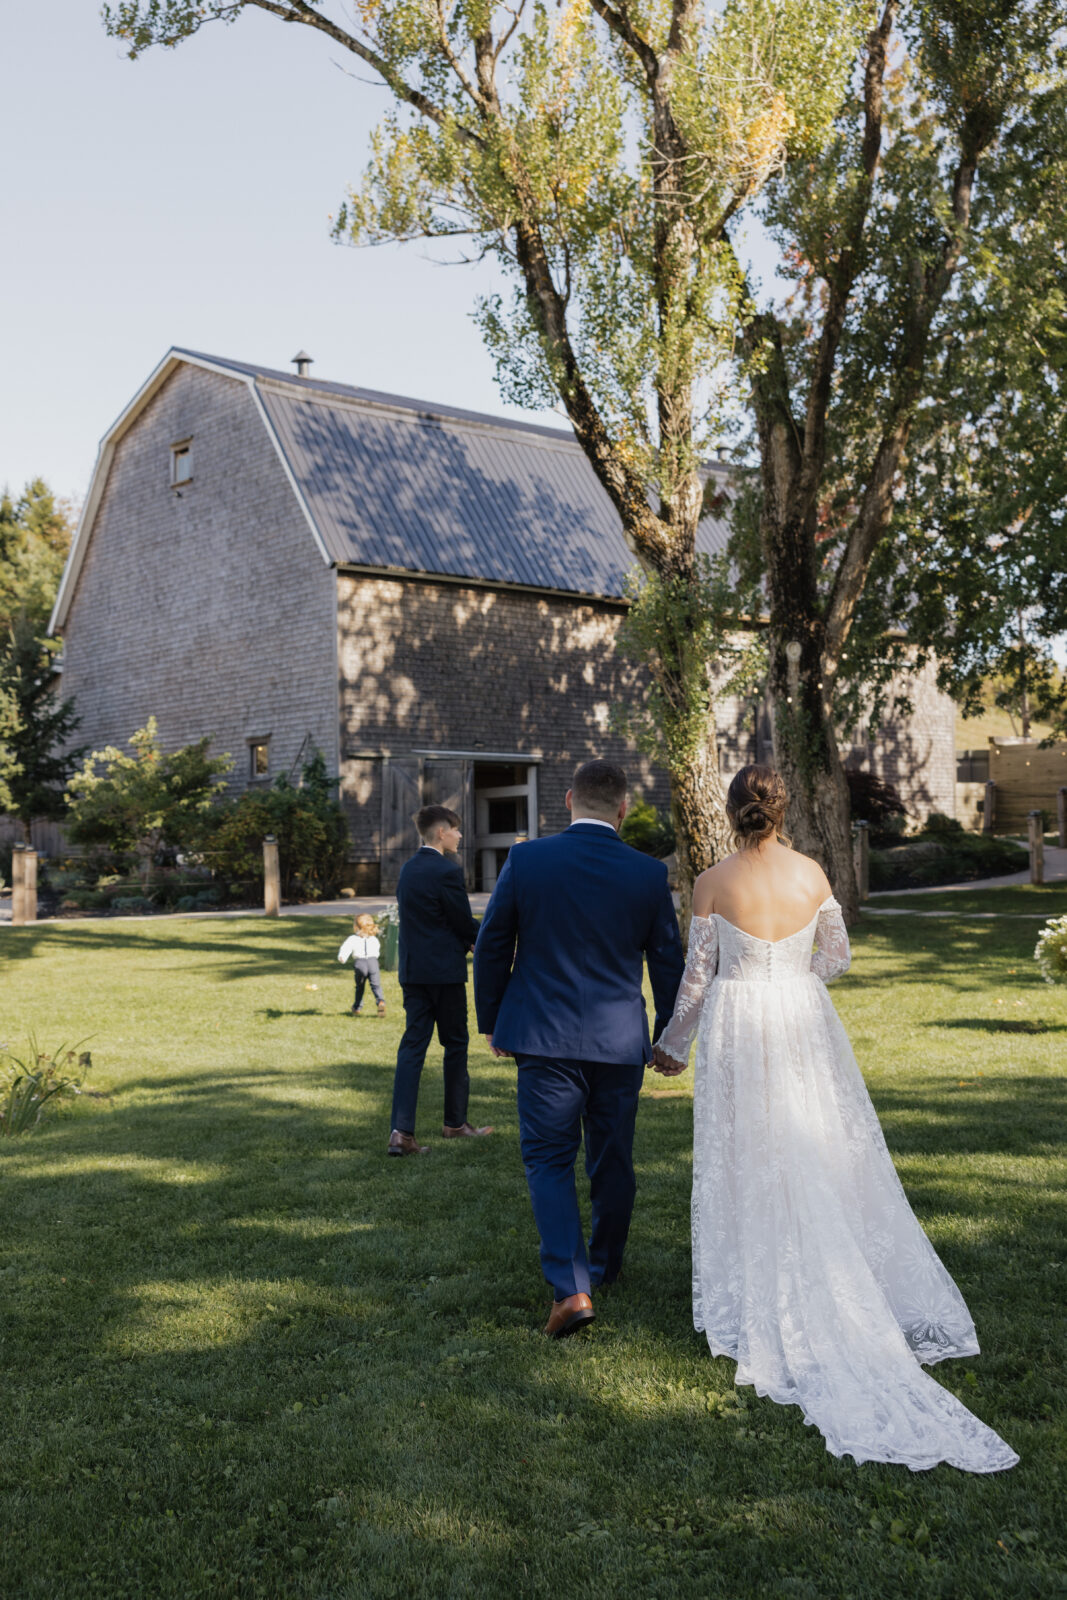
x=557, y=1100
x=427, y=1005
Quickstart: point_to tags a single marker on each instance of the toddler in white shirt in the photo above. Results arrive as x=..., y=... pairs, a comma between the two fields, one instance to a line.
x=363, y=947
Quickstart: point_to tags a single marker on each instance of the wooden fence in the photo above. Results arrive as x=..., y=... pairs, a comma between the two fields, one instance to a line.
x=1026, y=779
x=47, y=838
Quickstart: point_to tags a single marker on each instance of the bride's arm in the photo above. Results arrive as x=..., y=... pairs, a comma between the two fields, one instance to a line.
x=674, y=1042
x=831, y=956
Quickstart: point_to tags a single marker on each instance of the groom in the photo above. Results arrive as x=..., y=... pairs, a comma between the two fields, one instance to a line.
x=557, y=984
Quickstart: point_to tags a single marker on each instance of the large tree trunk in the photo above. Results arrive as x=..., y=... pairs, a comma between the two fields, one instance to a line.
x=698, y=811
x=807, y=757
x=800, y=679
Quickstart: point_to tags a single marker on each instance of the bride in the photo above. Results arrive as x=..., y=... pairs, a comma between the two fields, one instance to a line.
x=809, y=1267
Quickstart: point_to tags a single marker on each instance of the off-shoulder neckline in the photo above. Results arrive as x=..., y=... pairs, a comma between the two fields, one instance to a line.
x=829, y=901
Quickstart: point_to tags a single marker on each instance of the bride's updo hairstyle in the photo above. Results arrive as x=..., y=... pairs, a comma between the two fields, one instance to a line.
x=755, y=806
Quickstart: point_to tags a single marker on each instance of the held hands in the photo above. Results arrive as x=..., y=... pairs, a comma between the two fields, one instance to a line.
x=661, y=1061
x=666, y=1065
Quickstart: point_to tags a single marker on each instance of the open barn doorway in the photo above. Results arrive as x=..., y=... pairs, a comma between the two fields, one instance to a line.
x=494, y=795
x=505, y=813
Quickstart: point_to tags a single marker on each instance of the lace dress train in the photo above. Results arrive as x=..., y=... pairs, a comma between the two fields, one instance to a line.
x=809, y=1268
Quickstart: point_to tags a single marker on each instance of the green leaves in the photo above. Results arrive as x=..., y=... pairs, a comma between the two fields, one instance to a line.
x=35, y=534
x=28, y=1084
x=307, y=821
x=137, y=801
x=685, y=626
x=37, y=739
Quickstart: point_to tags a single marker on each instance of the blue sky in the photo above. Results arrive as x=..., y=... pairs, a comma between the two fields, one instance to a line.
x=184, y=199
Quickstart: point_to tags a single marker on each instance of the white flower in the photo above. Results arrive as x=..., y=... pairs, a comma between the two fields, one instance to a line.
x=1050, y=952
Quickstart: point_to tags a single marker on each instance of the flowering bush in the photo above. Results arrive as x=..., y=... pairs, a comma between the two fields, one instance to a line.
x=1050, y=952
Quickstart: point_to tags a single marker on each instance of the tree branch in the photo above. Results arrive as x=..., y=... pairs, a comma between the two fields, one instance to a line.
x=876, y=507
x=842, y=278
x=300, y=12
x=623, y=29
x=453, y=60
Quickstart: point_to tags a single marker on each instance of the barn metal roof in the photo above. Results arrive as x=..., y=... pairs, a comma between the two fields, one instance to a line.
x=391, y=482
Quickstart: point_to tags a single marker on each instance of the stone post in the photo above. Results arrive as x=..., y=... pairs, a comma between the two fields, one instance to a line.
x=988, y=806
x=1061, y=816
x=23, y=885
x=1036, y=830
x=861, y=856
x=272, y=883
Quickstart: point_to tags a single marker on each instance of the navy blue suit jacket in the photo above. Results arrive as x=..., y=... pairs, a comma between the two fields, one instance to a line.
x=436, y=926
x=558, y=963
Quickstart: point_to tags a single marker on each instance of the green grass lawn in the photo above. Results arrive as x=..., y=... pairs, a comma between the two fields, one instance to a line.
x=1030, y=899
x=243, y=1354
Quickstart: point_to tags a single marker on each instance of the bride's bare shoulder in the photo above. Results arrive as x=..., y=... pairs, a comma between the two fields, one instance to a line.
x=706, y=884
x=811, y=874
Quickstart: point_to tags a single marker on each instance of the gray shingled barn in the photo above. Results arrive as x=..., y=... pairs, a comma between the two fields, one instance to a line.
x=428, y=596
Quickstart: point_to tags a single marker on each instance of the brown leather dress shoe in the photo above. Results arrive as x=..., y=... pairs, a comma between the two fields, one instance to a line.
x=403, y=1144
x=464, y=1131
x=569, y=1315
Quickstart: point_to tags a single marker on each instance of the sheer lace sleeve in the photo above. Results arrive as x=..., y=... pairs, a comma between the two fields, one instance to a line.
x=832, y=955
x=678, y=1035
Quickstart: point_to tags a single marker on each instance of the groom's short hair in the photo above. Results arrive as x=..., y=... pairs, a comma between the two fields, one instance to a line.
x=430, y=817
x=600, y=786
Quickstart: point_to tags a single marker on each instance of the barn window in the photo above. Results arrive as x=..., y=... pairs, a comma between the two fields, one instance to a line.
x=258, y=759
x=181, y=463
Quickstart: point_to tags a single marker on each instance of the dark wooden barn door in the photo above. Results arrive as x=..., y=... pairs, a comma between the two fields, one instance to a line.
x=449, y=781
x=401, y=798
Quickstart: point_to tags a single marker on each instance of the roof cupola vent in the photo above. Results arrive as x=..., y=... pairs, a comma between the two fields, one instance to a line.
x=301, y=361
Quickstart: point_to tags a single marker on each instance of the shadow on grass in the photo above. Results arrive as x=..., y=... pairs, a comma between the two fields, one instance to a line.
x=999, y=1024
x=267, y=948
x=301, y=1344
x=978, y=1116
x=275, y=1013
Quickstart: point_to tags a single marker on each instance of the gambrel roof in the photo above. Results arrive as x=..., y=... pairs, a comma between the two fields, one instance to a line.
x=394, y=484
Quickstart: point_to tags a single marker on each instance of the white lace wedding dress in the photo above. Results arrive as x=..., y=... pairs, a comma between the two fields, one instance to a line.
x=809, y=1267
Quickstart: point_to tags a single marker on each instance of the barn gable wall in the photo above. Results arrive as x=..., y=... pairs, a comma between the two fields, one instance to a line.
x=209, y=605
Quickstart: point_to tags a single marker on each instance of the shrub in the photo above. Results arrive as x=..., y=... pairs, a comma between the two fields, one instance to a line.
x=26, y=1087
x=945, y=858
x=307, y=822
x=203, y=900
x=644, y=829
x=141, y=803
x=937, y=822
x=871, y=799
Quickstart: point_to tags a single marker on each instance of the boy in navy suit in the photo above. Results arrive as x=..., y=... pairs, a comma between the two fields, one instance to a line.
x=436, y=932
x=570, y=1009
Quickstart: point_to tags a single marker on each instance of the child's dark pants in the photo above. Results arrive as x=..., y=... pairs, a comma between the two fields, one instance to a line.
x=367, y=972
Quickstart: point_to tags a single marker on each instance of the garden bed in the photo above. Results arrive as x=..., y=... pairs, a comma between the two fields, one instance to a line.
x=931, y=859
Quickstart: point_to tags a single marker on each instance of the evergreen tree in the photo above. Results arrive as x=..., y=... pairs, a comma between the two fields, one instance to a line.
x=39, y=731
x=35, y=534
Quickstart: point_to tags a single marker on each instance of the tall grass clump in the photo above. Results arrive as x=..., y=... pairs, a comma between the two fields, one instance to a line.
x=27, y=1086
